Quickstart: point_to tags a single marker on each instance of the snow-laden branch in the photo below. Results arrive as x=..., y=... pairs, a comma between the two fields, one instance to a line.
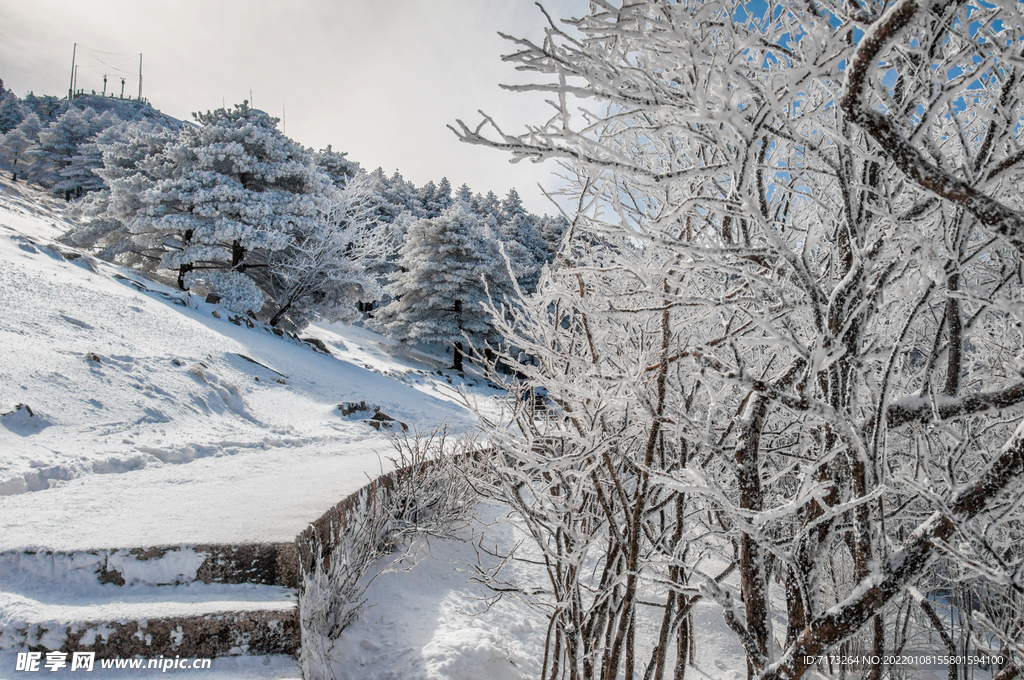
x=855, y=103
x=927, y=409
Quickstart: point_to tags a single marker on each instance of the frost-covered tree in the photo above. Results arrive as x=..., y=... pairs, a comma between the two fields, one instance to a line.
x=331, y=263
x=79, y=176
x=447, y=263
x=435, y=198
x=47, y=107
x=58, y=145
x=16, y=145
x=785, y=330
x=336, y=165
x=130, y=154
x=396, y=196
x=31, y=126
x=551, y=230
x=10, y=112
x=234, y=190
x=526, y=248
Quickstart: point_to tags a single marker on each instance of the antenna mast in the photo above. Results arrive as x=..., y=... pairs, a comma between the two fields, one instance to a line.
x=71, y=87
x=140, y=76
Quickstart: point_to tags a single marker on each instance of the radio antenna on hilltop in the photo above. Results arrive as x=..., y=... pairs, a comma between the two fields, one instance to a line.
x=71, y=87
x=109, y=63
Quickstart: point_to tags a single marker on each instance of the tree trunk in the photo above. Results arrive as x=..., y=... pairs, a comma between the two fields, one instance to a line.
x=457, y=356
x=753, y=583
x=237, y=256
x=182, y=270
x=280, y=313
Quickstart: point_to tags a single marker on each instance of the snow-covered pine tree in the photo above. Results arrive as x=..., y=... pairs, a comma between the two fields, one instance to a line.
x=31, y=125
x=236, y=190
x=14, y=147
x=78, y=176
x=130, y=165
x=10, y=112
x=439, y=295
x=47, y=107
x=334, y=163
x=58, y=145
x=396, y=196
x=442, y=199
x=490, y=207
x=427, y=200
x=526, y=248
x=552, y=229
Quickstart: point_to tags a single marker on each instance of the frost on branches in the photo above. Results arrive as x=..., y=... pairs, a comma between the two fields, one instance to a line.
x=782, y=345
x=328, y=266
x=451, y=263
x=236, y=187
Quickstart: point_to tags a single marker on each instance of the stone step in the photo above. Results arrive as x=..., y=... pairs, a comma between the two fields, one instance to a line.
x=207, y=636
x=264, y=563
x=269, y=667
x=194, y=620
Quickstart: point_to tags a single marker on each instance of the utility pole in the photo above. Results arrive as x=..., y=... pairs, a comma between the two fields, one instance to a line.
x=122, y=88
x=104, y=84
x=71, y=88
x=140, y=76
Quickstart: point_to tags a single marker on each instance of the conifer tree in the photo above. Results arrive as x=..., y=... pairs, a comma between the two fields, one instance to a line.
x=129, y=153
x=10, y=112
x=526, y=249
x=340, y=169
x=58, y=145
x=47, y=107
x=449, y=267
x=236, y=190
x=14, y=147
x=442, y=199
x=78, y=176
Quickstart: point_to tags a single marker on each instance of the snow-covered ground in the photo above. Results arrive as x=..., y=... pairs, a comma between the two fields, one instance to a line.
x=156, y=422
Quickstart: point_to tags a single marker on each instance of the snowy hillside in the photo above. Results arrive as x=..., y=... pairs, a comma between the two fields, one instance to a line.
x=150, y=417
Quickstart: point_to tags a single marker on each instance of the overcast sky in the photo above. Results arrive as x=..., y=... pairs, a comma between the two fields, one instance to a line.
x=379, y=79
